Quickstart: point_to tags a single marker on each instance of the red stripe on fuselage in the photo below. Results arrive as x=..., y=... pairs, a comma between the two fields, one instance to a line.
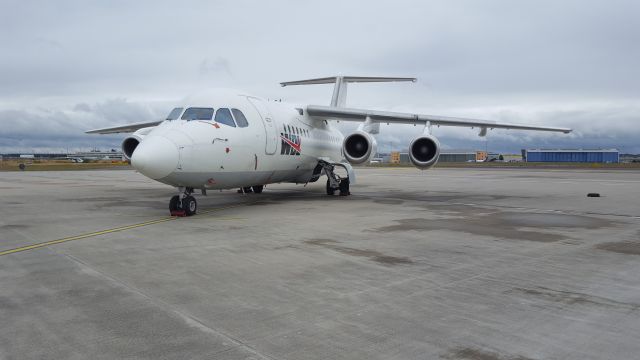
x=295, y=146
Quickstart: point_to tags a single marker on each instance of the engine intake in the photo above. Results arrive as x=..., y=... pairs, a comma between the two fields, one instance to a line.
x=424, y=151
x=359, y=147
x=129, y=145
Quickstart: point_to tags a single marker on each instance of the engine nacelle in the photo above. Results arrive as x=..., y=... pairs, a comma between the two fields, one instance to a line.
x=130, y=143
x=424, y=151
x=359, y=147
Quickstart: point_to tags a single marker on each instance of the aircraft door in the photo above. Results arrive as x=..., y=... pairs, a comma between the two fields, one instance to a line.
x=269, y=126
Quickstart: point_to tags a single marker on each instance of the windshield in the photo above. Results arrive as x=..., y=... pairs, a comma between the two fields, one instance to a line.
x=240, y=118
x=223, y=116
x=198, y=114
x=174, y=114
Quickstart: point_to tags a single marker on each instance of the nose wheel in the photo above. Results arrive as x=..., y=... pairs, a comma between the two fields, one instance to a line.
x=183, y=204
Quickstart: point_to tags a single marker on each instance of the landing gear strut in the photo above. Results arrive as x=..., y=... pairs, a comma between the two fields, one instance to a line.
x=183, y=204
x=257, y=189
x=334, y=181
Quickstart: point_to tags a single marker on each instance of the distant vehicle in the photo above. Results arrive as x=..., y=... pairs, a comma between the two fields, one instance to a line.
x=233, y=140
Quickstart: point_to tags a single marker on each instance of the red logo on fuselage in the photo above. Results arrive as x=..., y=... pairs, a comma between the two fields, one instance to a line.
x=296, y=146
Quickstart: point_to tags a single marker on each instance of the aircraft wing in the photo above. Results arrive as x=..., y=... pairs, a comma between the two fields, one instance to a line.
x=124, y=128
x=360, y=115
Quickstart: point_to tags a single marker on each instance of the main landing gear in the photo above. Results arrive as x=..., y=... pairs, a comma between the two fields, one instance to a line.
x=183, y=204
x=334, y=181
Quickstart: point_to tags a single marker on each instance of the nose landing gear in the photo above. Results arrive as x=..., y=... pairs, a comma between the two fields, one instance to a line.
x=183, y=204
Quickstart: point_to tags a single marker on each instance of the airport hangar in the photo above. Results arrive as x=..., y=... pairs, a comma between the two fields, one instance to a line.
x=572, y=155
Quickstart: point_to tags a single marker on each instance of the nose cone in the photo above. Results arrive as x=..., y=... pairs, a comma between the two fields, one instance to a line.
x=156, y=157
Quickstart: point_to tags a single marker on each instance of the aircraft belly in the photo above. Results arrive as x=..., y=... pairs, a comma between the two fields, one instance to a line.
x=229, y=180
x=211, y=166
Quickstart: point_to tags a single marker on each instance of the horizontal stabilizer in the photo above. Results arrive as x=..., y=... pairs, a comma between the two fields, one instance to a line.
x=339, y=98
x=347, y=79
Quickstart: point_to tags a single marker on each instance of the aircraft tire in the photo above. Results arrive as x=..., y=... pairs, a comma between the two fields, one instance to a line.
x=344, y=187
x=330, y=190
x=190, y=205
x=174, y=203
x=258, y=188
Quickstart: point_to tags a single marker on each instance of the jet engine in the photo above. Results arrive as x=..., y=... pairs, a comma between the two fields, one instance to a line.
x=424, y=151
x=359, y=147
x=130, y=143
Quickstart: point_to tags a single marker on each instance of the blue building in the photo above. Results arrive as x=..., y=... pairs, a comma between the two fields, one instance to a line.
x=571, y=155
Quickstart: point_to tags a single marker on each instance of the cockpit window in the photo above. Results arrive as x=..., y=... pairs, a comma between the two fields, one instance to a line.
x=223, y=116
x=240, y=118
x=198, y=114
x=174, y=114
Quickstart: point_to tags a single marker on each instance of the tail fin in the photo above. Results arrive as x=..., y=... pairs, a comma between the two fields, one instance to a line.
x=339, y=97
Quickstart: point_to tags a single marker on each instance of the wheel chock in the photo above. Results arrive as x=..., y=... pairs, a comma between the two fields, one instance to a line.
x=178, y=213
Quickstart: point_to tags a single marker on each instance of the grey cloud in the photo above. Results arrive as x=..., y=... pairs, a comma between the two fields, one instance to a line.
x=547, y=62
x=219, y=64
x=60, y=129
x=596, y=126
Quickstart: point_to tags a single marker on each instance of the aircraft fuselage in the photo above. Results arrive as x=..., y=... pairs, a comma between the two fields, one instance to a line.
x=279, y=144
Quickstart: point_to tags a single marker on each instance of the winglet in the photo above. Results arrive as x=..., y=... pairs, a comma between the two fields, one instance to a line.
x=339, y=97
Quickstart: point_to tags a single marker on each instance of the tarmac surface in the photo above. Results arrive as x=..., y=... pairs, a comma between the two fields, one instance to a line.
x=489, y=264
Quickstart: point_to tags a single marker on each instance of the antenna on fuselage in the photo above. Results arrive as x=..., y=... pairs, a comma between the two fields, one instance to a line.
x=339, y=97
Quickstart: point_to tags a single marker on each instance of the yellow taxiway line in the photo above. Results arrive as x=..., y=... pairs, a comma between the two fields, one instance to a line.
x=108, y=231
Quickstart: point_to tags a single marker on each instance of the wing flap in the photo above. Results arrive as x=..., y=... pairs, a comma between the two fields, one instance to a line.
x=349, y=114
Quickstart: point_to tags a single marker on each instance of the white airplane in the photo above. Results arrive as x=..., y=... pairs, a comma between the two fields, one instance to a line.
x=233, y=140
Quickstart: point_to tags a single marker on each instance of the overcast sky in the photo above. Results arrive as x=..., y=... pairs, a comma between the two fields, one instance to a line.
x=69, y=66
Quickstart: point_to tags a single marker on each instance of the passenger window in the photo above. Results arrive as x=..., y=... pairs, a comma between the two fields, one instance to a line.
x=223, y=116
x=174, y=114
x=241, y=120
x=198, y=114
